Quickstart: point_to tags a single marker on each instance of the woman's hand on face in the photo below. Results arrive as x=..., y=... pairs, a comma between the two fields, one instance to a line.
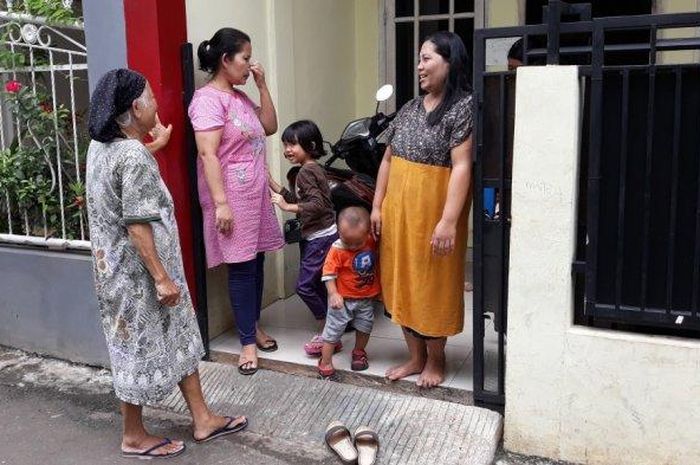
x=376, y=223
x=167, y=292
x=258, y=74
x=224, y=218
x=443, y=240
x=160, y=135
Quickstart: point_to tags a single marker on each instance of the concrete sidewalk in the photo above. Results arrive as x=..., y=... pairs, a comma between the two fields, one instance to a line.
x=57, y=413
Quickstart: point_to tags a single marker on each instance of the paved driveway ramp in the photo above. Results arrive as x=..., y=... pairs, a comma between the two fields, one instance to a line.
x=412, y=429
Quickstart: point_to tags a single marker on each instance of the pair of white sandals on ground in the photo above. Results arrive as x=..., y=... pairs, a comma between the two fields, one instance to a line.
x=360, y=448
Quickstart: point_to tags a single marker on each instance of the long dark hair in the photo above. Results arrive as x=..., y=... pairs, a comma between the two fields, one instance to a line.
x=306, y=134
x=449, y=46
x=227, y=41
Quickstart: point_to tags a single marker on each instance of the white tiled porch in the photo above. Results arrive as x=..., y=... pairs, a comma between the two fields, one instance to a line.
x=291, y=324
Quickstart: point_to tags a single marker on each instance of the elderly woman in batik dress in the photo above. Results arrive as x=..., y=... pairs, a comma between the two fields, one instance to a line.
x=147, y=315
x=419, y=209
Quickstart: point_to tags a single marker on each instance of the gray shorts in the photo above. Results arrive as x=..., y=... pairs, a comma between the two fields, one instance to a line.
x=359, y=311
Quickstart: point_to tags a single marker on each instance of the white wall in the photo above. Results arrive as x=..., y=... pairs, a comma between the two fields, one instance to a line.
x=573, y=393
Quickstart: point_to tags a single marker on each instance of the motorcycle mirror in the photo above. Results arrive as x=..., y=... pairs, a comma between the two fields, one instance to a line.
x=385, y=92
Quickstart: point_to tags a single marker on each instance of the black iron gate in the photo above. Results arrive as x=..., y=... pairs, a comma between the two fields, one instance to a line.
x=638, y=255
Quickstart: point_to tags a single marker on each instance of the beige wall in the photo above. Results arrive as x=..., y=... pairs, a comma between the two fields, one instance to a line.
x=678, y=6
x=503, y=13
x=321, y=58
x=367, y=65
x=574, y=393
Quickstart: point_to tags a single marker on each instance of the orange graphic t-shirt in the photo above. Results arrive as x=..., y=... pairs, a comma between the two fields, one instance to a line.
x=356, y=272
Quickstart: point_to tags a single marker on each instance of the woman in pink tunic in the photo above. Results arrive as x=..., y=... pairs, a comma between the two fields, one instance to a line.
x=239, y=220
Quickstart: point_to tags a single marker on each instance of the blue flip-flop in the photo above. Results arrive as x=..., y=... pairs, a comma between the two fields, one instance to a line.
x=224, y=430
x=148, y=453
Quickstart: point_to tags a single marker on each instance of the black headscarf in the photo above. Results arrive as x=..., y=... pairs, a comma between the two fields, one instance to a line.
x=114, y=94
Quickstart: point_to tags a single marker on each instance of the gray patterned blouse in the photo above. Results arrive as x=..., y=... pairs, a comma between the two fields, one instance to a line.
x=151, y=347
x=412, y=139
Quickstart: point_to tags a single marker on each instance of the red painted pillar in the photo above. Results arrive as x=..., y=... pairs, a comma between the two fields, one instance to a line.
x=155, y=31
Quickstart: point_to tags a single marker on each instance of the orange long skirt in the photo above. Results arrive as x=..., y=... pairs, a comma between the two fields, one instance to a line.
x=422, y=291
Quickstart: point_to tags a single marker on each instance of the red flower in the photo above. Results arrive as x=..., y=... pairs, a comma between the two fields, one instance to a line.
x=46, y=107
x=13, y=86
x=79, y=201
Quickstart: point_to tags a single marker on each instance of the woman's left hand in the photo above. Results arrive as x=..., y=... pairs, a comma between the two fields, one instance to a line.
x=258, y=74
x=160, y=135
x=443, y=240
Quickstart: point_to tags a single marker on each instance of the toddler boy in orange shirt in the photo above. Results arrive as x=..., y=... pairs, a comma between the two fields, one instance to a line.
x=352, y=278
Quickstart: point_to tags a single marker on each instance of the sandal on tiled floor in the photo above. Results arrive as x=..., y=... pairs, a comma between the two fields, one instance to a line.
x=360, y=361
x=314, y=347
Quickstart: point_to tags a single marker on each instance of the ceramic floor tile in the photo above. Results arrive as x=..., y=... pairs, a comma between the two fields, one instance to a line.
x=288, y=313
x=464, y=378
x=291, y=324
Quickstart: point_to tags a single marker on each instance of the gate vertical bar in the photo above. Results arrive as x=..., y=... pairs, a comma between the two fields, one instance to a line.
x=478, y=296
x=674, y=189
x=696, y=255
x=620, y=249
x=597, y=62
x=648, y=166
x=500, y=321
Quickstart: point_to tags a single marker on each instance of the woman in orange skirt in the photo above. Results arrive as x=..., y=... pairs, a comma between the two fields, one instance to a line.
x=419, y=209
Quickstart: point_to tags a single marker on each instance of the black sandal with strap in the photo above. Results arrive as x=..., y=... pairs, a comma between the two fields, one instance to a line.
x=269, y=345
x=149, y=453
x=247, y=370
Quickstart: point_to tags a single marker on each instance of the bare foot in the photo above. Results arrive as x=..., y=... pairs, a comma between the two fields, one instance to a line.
x=144, y=443
x=213, y=423
x=261, y=335
x=433, y=374
x=409, y=368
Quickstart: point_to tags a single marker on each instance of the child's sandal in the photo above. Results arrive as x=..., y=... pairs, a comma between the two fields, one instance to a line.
x=327, y=372
x=360, y=361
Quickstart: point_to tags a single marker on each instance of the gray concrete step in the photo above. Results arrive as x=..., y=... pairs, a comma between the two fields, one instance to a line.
x=412, y=429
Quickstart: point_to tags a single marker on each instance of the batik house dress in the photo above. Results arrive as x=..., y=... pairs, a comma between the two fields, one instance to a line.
x=151, y=347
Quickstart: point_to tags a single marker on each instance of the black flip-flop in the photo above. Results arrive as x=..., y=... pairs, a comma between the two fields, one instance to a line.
x=247, y=371
x=269, y=346
x=148, y=453
x=224, y=430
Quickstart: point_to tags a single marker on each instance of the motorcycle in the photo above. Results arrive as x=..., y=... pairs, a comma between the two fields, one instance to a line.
x=362, y=152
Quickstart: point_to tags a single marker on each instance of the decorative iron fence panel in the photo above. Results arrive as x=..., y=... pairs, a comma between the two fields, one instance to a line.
x=43, y=116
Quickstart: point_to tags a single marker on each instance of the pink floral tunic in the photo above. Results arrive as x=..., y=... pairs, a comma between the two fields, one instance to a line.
x=244, y=171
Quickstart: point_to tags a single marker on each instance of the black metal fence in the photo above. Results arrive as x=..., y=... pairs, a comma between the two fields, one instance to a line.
x=638, y=256
x=643, y=220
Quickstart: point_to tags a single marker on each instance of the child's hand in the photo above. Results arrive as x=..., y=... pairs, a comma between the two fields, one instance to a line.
x=279, y=201
x=274, y=185
x=336, y=301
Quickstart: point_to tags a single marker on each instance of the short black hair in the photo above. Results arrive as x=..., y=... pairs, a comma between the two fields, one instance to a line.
x=354, y=217
x=306, y=134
